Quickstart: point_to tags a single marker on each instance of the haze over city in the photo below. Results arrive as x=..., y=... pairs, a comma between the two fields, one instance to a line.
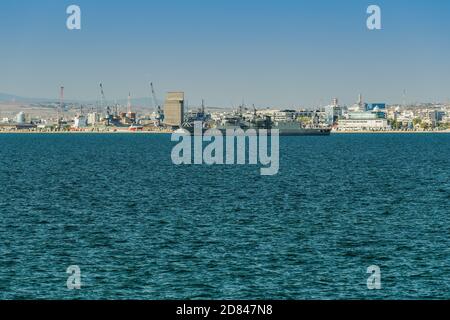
x=269, y=53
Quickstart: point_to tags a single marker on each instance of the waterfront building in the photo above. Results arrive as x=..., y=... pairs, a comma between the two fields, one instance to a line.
x=20, y=118
x=93, y=118
x=363, y=125
x=333, y=112
x=446, y=118
x=174, y=109
x=364, y=121
x=80, y=122
x=436, y=117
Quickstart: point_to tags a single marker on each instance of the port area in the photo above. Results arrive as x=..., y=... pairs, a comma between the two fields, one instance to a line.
x=107, y=130
x=390, y=131
x=112, y=130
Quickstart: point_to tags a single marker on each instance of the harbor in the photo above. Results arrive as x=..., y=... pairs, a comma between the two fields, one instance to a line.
x=174, y=113
x=224, y=159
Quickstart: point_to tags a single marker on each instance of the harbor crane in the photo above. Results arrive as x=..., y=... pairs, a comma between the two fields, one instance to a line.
x=103, y=101
x=155, y=101
x=158, y=112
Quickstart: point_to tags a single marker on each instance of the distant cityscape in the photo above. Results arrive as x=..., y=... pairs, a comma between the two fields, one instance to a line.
x=174, y=113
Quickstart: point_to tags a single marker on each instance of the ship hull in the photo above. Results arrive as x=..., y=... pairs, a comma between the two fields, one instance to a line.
x=281, y=132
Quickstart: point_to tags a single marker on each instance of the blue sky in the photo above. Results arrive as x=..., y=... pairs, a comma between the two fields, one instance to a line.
x=267, y=52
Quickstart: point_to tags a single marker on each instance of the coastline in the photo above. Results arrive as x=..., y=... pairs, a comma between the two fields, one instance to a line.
x=84, y=132
x=170, y=132
x=391, y=132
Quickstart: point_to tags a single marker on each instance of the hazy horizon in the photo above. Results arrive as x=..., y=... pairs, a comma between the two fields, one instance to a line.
x=267, y=53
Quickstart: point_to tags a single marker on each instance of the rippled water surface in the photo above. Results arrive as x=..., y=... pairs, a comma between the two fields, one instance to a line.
x=141, y=228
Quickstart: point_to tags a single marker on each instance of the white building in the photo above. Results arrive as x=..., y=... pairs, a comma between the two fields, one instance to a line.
x=20, y=118
x=93, y=118
x=80, y=122
x=364, y=121
x=363, y=125
x=332, y=113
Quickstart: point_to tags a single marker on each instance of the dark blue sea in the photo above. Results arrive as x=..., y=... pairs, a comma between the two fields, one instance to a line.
x=140, y=227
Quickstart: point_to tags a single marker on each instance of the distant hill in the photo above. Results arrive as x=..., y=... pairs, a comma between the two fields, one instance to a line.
x=6, y=97
x=142, y=103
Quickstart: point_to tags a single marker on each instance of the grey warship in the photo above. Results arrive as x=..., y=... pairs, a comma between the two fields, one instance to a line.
x=252, y=120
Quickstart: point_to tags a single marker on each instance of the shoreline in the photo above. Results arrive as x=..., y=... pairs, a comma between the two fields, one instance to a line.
x=170, y=132
x=85, y=132
x=391, y=132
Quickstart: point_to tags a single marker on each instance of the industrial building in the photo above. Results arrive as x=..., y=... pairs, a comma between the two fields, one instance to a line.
x=174, y=109
x=20, y=118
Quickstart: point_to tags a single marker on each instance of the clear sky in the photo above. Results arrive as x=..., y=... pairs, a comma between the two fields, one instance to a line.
x=268, y=52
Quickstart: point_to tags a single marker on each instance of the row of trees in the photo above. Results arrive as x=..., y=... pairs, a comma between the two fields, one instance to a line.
x=417, y=122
